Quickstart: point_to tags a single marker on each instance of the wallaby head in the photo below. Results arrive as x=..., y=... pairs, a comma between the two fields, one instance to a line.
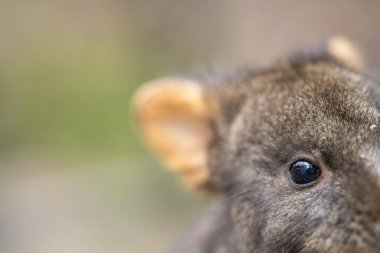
x=294, y=148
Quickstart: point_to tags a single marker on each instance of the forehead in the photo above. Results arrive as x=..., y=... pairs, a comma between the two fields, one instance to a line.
x=317, y=106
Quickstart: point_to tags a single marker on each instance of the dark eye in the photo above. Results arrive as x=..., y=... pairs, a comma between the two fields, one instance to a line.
x=303, y=172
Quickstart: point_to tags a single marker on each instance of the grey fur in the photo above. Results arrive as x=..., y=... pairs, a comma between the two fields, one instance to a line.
x=310, y=106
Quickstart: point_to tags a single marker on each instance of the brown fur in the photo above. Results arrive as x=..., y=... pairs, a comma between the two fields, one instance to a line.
x=316, y=106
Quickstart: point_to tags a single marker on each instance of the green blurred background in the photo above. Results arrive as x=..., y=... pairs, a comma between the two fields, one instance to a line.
x=74, y=175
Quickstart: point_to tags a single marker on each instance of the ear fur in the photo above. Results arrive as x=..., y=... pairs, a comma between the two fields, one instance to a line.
x=341, y=49
x=175, y=119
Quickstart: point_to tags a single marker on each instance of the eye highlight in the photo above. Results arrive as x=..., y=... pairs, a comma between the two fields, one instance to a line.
x=303, y=172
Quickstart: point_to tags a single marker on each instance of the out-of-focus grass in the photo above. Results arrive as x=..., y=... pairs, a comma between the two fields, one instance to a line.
x=60, y=100
x=67, y=74
x=70, y=158
x=61, y=103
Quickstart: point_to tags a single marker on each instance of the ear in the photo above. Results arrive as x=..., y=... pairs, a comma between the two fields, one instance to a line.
x=342, y=50
x=174, y=116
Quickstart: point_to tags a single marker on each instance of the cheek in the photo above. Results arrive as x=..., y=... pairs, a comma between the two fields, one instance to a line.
x=245, y=227
x=290, y=213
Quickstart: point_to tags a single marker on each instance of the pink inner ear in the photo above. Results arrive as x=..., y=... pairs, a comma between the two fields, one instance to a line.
x=174, y=118
x=187, y=134
x=344, y=51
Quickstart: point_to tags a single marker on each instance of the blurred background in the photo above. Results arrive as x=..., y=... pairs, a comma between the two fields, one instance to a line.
x=74, y=176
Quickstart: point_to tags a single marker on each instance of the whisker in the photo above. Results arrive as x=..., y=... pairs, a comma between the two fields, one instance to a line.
x=233, y=196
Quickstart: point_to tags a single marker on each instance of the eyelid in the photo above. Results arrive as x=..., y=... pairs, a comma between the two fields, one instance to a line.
x=304, y=157
x=315, y=157
x=301, y=186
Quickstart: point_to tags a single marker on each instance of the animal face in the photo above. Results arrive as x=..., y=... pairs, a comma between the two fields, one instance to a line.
x=295, y=149
x=320, y=115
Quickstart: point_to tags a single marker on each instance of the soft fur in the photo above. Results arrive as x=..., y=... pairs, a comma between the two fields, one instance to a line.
x=315, y=106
